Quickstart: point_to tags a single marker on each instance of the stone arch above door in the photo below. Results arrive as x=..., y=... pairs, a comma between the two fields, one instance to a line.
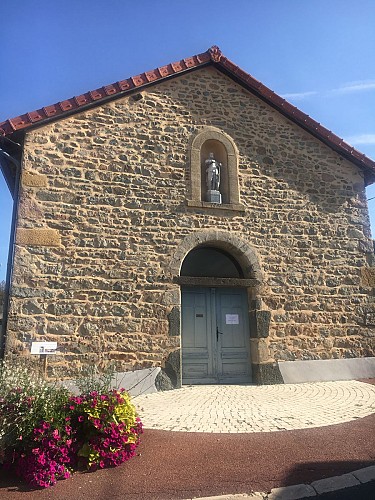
x=244, y=253
x=229, y=158
x=264, y=368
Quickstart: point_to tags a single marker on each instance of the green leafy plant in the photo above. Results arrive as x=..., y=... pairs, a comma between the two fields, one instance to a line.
x=107, y=428
x=91, y=379
x=45, y=432
x=25, y=400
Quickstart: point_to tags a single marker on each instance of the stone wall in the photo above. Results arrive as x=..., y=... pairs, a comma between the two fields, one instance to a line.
x=103, y=208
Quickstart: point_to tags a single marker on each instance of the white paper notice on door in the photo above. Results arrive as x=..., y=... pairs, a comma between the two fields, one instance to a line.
x=232, y=319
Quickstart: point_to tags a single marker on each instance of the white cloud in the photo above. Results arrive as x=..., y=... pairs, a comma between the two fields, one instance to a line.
x=359, y=86
x=356, y=140
x=298, y=96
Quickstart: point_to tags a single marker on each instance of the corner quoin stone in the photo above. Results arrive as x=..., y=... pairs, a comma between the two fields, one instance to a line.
x=30, y=179
x=38, y=237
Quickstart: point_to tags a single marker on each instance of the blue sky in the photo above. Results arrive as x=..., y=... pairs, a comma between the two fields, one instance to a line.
x=319, y=54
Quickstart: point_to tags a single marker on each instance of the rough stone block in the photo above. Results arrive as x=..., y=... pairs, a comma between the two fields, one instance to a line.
x=259, y=351
x=174, y=322
x=267, y=373
x=260, y=324
x=38, y=237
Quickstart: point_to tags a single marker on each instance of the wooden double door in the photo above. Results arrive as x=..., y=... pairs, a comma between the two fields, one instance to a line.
x=215, y=336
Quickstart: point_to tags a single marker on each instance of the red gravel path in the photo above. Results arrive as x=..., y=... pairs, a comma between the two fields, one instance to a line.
x=175, y=465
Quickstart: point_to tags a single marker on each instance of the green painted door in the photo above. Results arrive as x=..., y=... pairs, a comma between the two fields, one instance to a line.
x=215, y=336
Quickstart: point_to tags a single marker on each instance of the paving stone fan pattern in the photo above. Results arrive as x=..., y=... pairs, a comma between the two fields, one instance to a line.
x=246, y=408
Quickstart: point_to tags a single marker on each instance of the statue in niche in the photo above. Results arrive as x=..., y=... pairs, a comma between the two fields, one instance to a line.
x=212, y=173
x=213, y=167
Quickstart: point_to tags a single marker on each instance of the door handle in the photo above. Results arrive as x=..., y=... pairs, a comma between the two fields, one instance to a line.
x=217, y=334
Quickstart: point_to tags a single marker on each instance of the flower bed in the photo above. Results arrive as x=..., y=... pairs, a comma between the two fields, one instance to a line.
x=46, y=433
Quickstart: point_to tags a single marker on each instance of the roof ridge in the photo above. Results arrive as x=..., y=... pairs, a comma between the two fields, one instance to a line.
x=212, y=56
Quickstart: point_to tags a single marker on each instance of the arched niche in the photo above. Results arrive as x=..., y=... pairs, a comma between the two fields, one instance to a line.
x=213, y=140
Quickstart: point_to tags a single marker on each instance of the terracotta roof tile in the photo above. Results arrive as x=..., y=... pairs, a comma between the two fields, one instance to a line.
x=190, y=62
x=166, y=70
x=151, y=76
x=203, y=58
x=139, y=80
x=110, y=89
x=19, y=122
x=35, y=116
x=212, y=56
x=178, y=66
x=125, y=84
x=67, y=105
x=97, y=94
x=51, y=110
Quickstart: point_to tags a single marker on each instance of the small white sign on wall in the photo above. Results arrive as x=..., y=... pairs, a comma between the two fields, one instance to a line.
x=43, y=347
x=232, y=319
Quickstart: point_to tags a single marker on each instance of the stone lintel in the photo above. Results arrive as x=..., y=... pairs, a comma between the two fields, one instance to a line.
x=218, y=282
x=30, y=179
x=235, y=207
x=38, y=237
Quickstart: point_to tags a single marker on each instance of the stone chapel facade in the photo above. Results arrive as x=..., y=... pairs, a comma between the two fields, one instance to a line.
x=119, y=254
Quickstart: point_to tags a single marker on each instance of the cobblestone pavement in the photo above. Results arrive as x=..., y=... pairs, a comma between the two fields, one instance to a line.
x=248, y=408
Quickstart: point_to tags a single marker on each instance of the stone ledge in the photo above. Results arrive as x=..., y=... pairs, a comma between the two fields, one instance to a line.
x=210, y=281
x=38, y=237
x=234, y=207
x=324, y=370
